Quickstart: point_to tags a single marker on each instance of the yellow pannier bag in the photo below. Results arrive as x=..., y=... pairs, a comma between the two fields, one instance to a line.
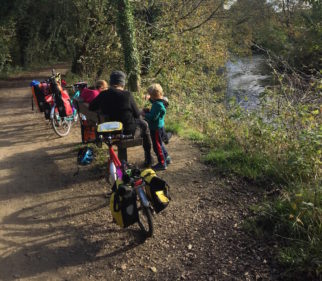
x=156, y=189
x=123, y=205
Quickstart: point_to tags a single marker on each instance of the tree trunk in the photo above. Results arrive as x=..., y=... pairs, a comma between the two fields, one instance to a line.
x=77, y=65
x=126, y=30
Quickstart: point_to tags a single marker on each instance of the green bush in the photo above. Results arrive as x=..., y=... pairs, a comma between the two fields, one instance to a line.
x=295, y=220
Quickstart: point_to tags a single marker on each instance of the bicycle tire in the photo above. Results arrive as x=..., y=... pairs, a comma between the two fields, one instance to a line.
x=145, y=221
x=57, y=125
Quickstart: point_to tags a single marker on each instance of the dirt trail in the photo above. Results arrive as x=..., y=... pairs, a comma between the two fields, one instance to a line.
x=56, y=225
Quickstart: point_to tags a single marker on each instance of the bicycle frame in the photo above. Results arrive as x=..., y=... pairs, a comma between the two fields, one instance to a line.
x=67, y=118
x=115, y=166
x=142, y=195
x=116, y=170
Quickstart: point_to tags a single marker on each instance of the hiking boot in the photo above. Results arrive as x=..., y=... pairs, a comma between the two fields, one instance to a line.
x=168, y=160
x=159, y=167
x=148, y=160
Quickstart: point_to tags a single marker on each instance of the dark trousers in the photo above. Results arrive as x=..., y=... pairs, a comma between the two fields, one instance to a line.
x=142, y=130
x=158, y=145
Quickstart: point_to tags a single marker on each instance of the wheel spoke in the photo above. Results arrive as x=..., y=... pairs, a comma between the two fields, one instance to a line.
x=61, y=126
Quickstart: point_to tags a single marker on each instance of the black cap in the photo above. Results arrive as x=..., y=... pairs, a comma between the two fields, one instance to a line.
x=117, y=78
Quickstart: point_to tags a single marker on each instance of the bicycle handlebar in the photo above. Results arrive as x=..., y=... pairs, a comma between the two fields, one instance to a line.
x=110, y=137
x=52, y=79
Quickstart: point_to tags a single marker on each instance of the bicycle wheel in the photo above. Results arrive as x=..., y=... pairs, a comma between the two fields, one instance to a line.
x=145, y=221
x=61, y=126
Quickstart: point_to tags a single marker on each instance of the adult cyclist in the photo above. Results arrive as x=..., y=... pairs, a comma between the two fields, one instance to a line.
x=117, y=104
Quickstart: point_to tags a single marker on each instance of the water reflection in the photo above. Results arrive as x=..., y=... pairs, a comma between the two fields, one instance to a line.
x=246, y=80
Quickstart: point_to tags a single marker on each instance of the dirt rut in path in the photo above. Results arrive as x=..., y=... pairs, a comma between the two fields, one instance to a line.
x=56, y=225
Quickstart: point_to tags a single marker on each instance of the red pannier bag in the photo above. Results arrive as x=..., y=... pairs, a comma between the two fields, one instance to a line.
x=62, y=99
x=67, y=103
x=39, y=93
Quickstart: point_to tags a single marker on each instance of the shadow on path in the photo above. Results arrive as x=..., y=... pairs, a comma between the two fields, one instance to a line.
x=50, y=236
x=39, y=171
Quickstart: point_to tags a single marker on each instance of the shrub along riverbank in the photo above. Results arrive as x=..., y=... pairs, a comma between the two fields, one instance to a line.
x=278, y=147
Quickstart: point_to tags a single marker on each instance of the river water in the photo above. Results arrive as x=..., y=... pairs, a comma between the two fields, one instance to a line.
x=246, y=80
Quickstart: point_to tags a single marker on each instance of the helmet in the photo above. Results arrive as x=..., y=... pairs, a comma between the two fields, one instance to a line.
x=85, y=156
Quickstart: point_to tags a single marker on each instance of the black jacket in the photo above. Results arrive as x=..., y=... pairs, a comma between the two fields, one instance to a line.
x=119, y=106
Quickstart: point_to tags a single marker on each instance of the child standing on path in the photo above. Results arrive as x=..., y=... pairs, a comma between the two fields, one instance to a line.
x=155, y=119
x=165, y=136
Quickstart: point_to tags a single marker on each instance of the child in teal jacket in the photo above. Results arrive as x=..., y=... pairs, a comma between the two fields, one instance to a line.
x=155, y=118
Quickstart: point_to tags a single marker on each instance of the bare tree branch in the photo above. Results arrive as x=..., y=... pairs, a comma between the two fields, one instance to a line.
x=204, y=21
x=192, y=10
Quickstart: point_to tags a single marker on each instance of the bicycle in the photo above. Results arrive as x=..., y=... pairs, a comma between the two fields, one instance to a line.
x=122, y=176
x=49, y=97
x=61, y=124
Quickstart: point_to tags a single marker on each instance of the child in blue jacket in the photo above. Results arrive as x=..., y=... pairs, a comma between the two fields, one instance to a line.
x=155, y=118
